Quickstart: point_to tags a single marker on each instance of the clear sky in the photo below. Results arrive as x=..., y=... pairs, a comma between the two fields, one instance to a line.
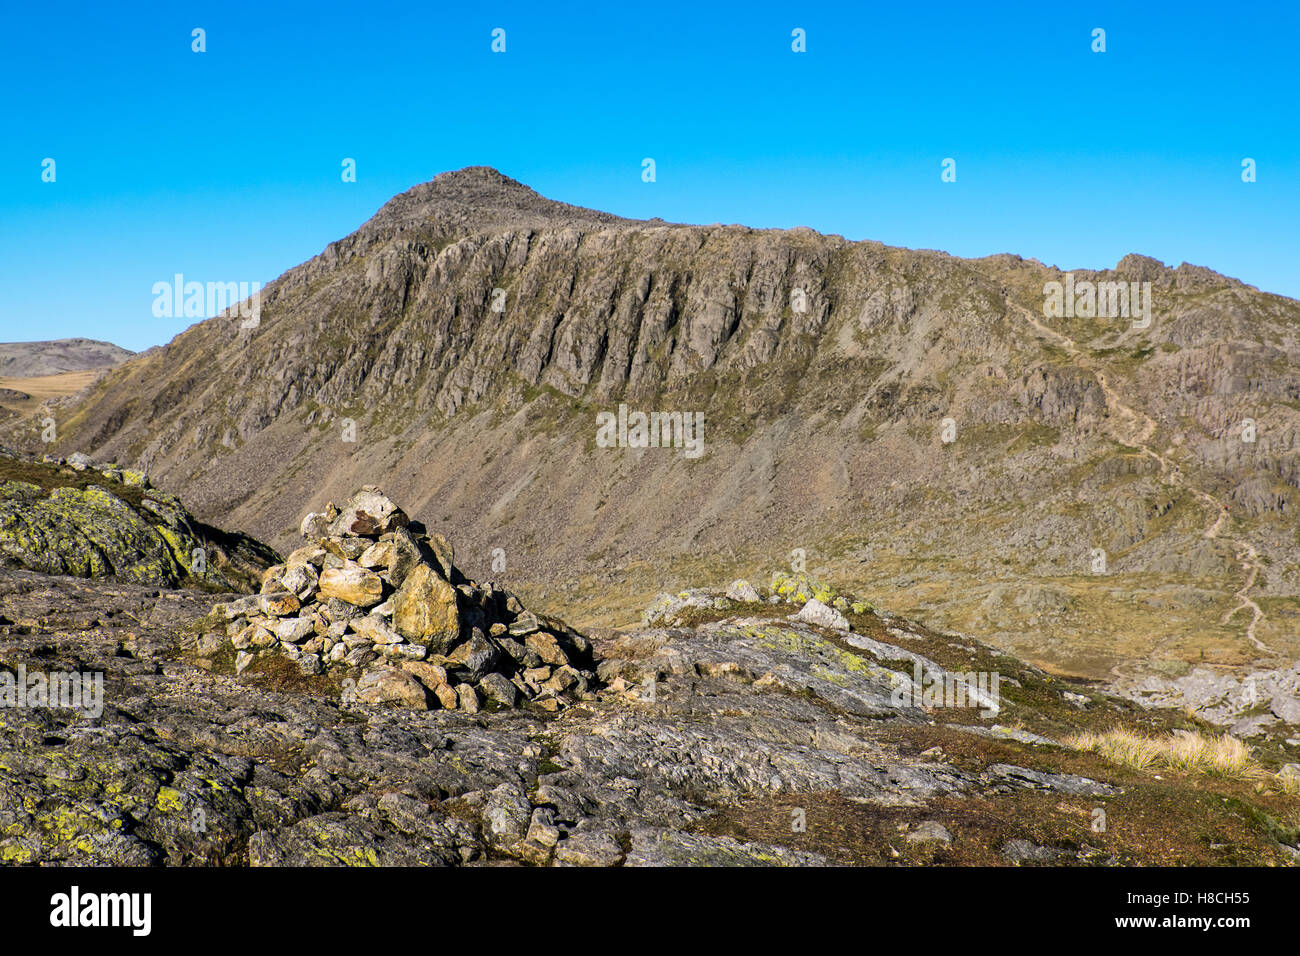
x=226, y=165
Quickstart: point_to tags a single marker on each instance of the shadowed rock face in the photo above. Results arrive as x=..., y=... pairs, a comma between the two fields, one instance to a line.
x=748, y=737
x=472, y=330
x=77, y=519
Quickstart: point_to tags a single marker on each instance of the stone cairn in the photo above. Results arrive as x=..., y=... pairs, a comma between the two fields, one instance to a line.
x=377, y=602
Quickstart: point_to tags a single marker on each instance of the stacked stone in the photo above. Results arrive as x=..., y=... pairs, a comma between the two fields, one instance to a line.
x=377, y=602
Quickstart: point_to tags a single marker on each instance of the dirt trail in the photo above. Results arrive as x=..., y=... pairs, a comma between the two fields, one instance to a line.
x=1135, y=428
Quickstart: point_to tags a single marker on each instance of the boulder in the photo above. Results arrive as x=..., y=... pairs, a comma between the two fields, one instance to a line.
x=817, y=613
x=425, y=610
x=391, y=685
x=354, y=584
x=743, y=592
x=368, y=514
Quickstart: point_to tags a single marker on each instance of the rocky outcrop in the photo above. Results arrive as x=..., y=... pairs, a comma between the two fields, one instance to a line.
x=73, y=517
x=1247, y=704
x=374, y=601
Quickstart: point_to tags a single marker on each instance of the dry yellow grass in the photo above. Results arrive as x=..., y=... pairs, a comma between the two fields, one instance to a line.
x=42, y=387
x=1224, y=756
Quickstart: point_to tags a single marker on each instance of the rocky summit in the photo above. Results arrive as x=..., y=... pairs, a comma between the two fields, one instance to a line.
x=377, y=602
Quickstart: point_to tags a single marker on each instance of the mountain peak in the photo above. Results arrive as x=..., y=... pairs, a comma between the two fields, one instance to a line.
x=479, y=198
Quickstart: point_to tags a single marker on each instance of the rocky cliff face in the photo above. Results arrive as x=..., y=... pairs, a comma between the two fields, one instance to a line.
x=459, y=346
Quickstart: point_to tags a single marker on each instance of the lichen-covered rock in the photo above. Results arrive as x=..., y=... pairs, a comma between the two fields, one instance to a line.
x=87, y=522
x=815, y=612
x=354, y=584
x=385, y=684
x=425, y=610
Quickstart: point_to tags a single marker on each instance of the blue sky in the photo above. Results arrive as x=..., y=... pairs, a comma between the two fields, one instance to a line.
x=225, y=165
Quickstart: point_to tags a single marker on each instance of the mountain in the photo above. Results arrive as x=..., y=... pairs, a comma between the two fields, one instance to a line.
x=31, y=359
x=1098, y=509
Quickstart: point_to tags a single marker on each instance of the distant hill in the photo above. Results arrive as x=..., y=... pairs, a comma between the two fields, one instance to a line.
x=30, y=359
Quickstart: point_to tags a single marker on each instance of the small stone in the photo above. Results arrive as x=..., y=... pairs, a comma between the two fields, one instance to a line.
x=447, y=696
x=314, y=527
x=375, y=629
x=477, y=655
x=430, y=675
x=817, y=613
x=378, y=555
x=312, y=555
x=930, y=831
x=443, y=554
x=506, y=815
x=588, y=849
x=547, y=648
x=368, y=513
x=469, y=701
x=525, y=623
x=279, y=604
x=542, y=830
x=243, y=639
x=302, y=580
x=242, y=660
x=564, y=678
x=353, y=584
x=743, y=592
x=497, y=687
x=388, y=684
x=407, y=552
x=292, y=630
x=346, y=549
x=1285, y=708
x=272, y=579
